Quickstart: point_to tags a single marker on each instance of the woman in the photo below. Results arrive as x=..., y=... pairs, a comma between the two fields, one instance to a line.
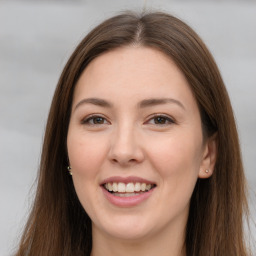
x=143, y=123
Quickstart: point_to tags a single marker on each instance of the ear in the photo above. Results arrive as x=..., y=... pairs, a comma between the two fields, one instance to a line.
x=209, y=157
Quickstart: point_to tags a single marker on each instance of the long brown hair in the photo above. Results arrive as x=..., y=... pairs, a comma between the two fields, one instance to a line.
x=58, y=224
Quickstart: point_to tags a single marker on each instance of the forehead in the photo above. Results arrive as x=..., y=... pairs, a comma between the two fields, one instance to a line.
x=133, y=72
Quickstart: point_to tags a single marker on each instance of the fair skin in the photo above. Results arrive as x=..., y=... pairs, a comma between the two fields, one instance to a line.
x=135, y=117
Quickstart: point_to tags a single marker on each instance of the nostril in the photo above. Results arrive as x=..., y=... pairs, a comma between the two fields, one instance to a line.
x=124, y=161
x=125, y=156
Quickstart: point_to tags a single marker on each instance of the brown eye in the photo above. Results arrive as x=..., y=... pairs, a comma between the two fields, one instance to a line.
x=161, y=120
x=98, y=120
x=95, y=120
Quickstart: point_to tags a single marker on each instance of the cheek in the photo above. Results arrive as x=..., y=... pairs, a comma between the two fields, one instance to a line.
x=177, y=160
x=176, y=154
x=86, y=153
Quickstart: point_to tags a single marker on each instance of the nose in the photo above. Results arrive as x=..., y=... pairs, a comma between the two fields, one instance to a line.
x=126, y=148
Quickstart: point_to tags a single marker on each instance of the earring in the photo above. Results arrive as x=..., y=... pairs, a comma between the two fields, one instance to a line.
x=69, y=170
x=207, y=171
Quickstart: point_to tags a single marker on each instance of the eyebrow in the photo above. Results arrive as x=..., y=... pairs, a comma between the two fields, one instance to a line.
x=94, y=101
x=143, y=104
x=160, y=101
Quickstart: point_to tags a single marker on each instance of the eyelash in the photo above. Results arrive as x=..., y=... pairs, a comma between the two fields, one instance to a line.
x=168, y=120
x=92, y=118
x=87, y=120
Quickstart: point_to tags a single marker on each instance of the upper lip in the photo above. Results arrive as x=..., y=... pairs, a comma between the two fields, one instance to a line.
x=130, y=179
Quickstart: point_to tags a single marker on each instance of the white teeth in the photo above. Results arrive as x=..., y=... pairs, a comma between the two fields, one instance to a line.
x=110, y=188
x=121, y=187
x=148, y=186
x=143, y=186
x=129, y=187
x=137, y=187
x=114, y=186
x=125, y=194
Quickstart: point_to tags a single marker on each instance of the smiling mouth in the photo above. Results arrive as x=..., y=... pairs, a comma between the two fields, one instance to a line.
x=121, y=189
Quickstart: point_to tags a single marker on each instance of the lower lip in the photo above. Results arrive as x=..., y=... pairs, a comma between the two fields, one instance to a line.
x=127, y=201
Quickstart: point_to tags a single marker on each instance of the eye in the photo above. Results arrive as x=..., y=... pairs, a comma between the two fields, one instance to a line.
x=95, y=120
x=161, y=120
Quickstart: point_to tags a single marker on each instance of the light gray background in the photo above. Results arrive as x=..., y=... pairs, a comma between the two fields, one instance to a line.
x=37, y=37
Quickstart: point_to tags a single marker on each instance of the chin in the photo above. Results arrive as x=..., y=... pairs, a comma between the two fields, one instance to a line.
x=129, y=234
x=127, y=228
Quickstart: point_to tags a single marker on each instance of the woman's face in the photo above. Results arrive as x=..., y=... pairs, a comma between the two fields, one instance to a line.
x=135, y=129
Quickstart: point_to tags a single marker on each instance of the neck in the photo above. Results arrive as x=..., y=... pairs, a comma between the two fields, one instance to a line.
x=161, y=244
